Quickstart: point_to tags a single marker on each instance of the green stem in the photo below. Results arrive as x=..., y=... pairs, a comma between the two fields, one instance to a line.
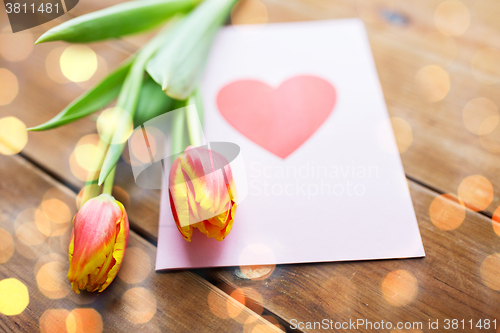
x=108, y=183
x=91, y=188
x=193, y=125
x=178, y=125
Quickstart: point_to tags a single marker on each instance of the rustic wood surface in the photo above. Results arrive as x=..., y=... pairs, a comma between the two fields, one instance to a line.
x=454, y=280
x=448, y=280
x=139, y=299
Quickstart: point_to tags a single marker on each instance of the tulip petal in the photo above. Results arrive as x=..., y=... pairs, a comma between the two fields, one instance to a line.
x=187, y=231
x=91, y=247
x=119, y=248
x=179, y=195
x=98, y=241
x=201, y=187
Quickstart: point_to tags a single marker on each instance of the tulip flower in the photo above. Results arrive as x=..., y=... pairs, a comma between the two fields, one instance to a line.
x=98, y=242
x=202, y=193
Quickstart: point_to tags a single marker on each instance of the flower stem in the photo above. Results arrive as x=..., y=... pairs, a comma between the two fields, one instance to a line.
x=108, y=183
x=193, y=125
x=178, y=126
x=91, y=188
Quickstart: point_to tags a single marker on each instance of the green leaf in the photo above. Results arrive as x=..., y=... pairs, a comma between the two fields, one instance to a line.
x=152, y=102
x=94, y=99
x=128, y=100
x=116, y=21
x=178, y=65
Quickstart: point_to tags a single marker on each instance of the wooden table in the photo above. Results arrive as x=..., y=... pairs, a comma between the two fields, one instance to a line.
x=434, y=59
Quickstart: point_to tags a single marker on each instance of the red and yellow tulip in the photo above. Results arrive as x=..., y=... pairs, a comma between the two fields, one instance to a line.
x=202, y=195
x=98, y=242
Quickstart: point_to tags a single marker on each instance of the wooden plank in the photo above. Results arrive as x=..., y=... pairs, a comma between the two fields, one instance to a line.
x=442, y=152
x=138, y=300
x=40, y=98
x=450, y=282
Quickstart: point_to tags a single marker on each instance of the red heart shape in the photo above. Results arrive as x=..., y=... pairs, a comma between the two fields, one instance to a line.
x=279, y=120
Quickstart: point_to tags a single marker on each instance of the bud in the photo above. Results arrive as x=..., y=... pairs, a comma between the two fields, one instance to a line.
x=201, y=191
x=98, y=242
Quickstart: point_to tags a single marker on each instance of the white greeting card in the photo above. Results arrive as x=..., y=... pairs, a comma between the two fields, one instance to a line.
x=324, y=180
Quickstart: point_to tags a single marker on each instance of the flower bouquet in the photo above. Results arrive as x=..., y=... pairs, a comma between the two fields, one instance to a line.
x=164, y=74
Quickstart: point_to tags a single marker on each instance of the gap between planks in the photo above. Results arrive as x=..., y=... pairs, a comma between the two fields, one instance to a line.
x=73, y=188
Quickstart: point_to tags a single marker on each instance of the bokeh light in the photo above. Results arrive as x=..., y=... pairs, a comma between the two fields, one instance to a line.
x=6, y=246
x=84, y=320
x=142, y=150
x=447, y=212
x=257, y=254
x=399, y=288
x=29, y=234
x=491, y=142
x=52, y=281
x=249, y=298
x=78, y=199
x=53, y=321
x=486, y=65
x=14, y=297
x=402, y=131
x=249, y=12
x=53, y=217
x=256, y=272
x=78, y=63
x=100, y=73
x=452, y=18
x=77, y=170
x=252, y=325
x=26, y=229
x=481, y=116
x=53, y=67
x=115, y=120
x=239, y=295
x=218, y=305
x=13, y=134
x=84, y=158
x=433, y=82
x=56, y=210
x=9, y=87
x=496, y=221
x=476, y=192
x=490, y=271
x=29, y=241
x=87, y=150
x=136, y=266
x=15, y=47
x=232, y=307
x=139, y=305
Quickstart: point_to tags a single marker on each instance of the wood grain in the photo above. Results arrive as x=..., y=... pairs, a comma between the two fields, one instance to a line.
x=448, y=278
x=138, y=299
x=404, y=39
x=40, y=98
x=442, y=152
